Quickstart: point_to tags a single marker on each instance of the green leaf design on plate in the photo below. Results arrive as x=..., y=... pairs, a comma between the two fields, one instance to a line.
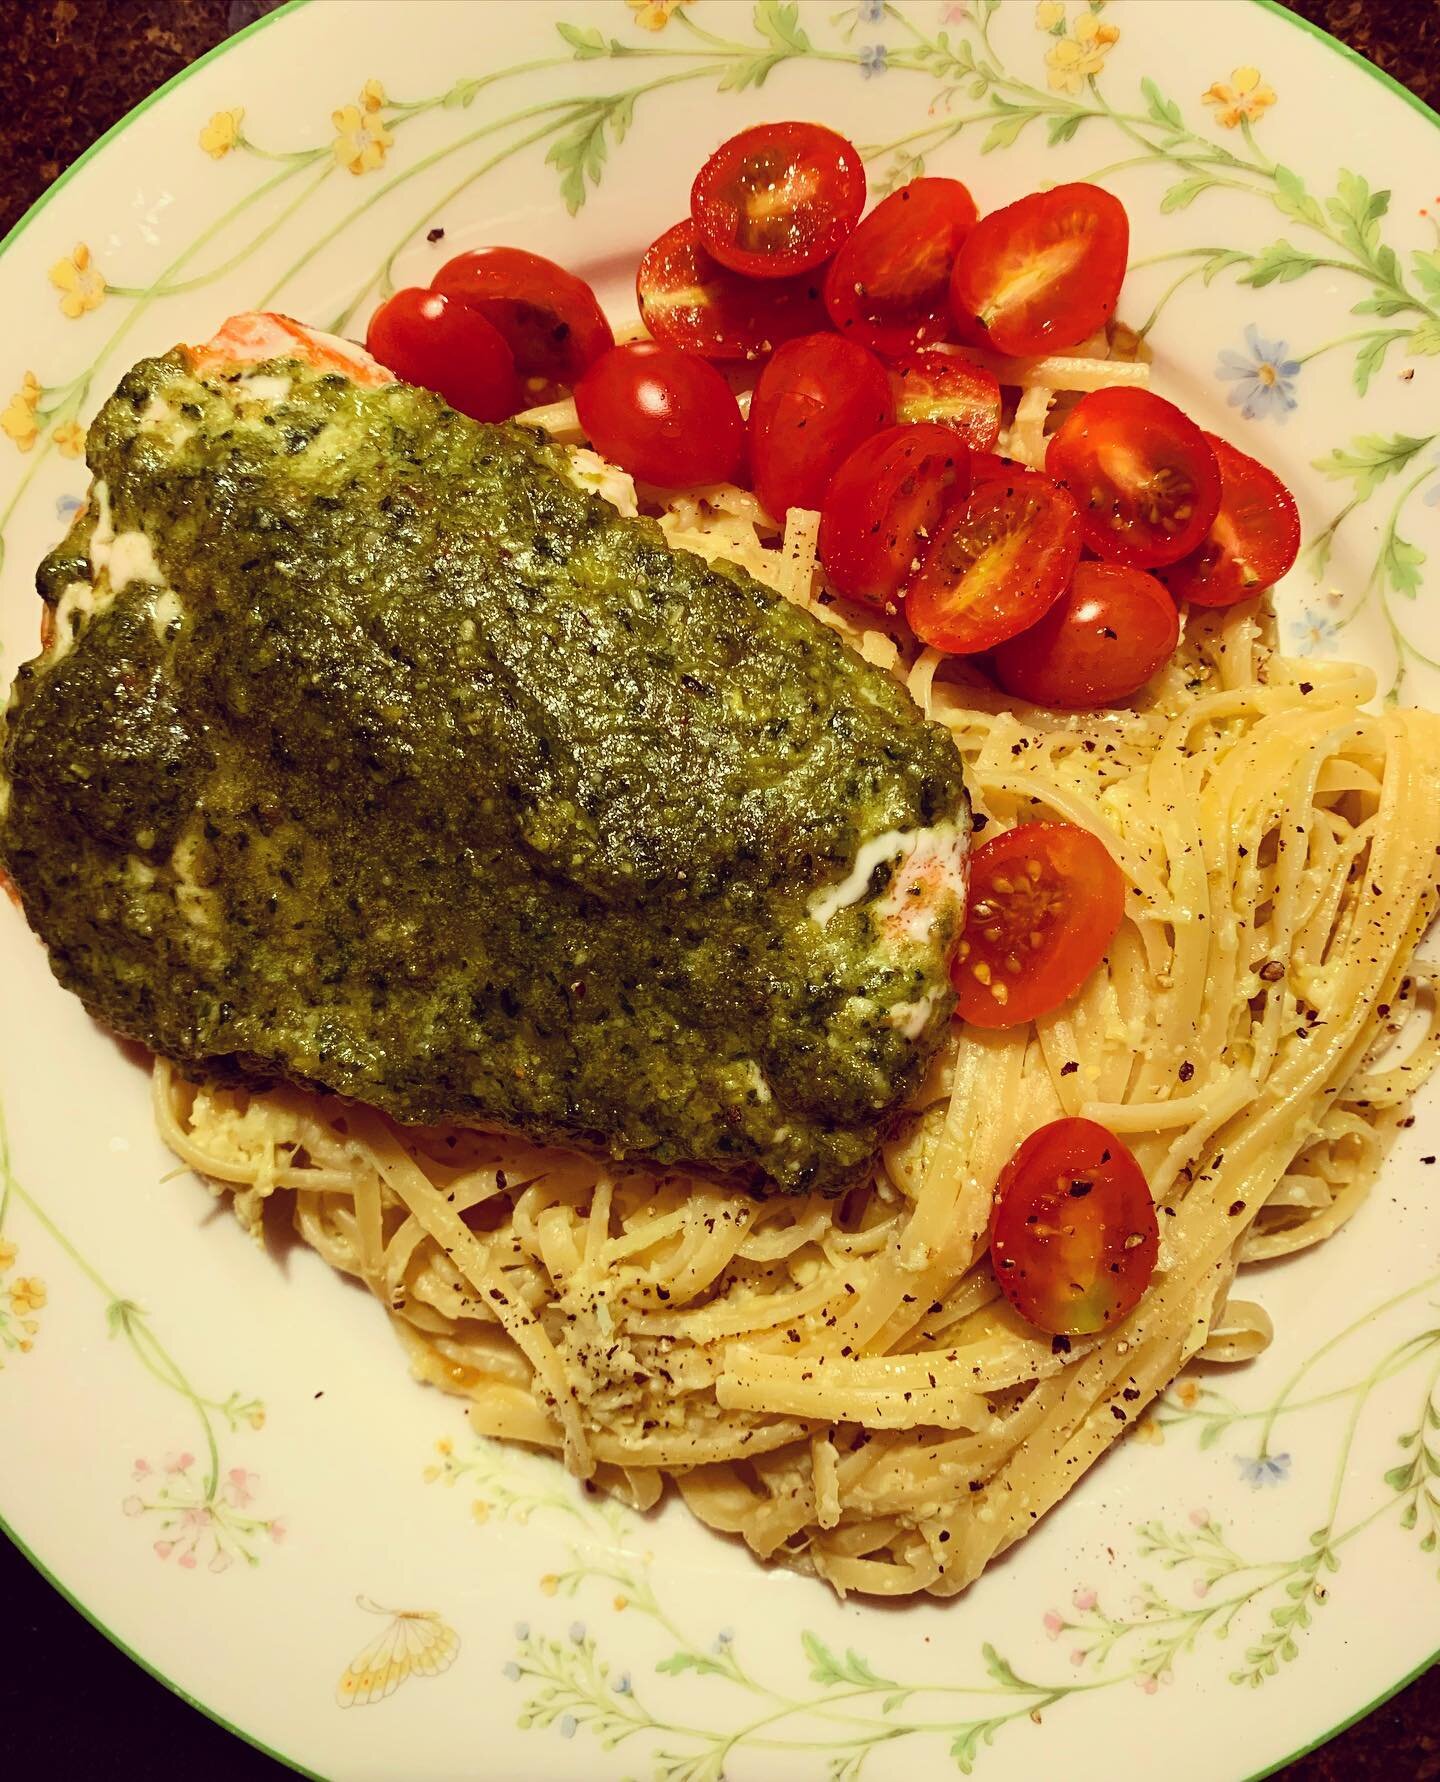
x=828, y=1668
x=1164, y=111
x=1280, y=261
x=1370, y=459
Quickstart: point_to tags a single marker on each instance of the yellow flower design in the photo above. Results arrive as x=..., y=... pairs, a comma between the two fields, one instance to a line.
x=1079, y=57
x=1149, y=1431
x=27, y=1294
x=361, y=139
x=1049, y=14
x=653, y=15
x=79, y=282
x=8, y=1253
x=222, y=132
x=1246, y=97
x=372, y=96
x=18, y=423
x=70, y=437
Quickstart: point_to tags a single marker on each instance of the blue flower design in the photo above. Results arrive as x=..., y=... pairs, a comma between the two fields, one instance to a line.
x=1264, y=377
x=871, y=11
x=567, y=1726
x=622, y=1683
x=577, y=1632
x=1311, y=631
x=872, y=60
x=511, y=1670
x=522, y=1630
x=1263, y=1469
x=67, y=505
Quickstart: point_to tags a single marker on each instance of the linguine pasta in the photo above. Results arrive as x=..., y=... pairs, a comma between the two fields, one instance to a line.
x=839, y=1382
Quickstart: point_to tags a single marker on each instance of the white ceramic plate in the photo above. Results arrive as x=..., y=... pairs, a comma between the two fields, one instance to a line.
x=217, y=1453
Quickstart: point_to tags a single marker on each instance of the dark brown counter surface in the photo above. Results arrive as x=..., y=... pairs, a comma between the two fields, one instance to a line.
x=70, y=1704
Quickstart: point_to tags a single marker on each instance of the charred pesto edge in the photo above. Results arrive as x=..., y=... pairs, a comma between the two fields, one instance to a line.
x=412, y=449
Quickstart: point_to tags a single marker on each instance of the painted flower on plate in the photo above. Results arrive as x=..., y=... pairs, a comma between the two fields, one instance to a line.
x=1311, y=632
x=27, y=1294
x=79, y=281
x=372, y=96
x=17, y=419
x=222, y=132
x=1081, y=56
x=871, y=11
x=8, y=1253
x=1259, y=1470
x=1264, y=376
x=1050, y=16
x=69, y=436
x=361, y=139
x=653, y=15
x=872, y=60
x=1244, y=98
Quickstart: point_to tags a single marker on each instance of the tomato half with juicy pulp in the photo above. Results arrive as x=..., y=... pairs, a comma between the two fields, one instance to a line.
x=778, y=198
x=883, y=504
x=998, y=562
x=550, y=319
x=1043, y=273
x=815, y=401
x=665, y=416
x=949, y=390
x=1102, y=640
x=689, y=300
x=428, y=338
x=1143, y=475
x=1253, y=540
x=1046, y=900
x=889, y=285
x=1073, y=1238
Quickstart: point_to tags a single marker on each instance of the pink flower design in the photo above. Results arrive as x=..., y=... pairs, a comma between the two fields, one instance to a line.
x=141, y=1470
x=1054, y=1625
x=1201, y=1587
x=133, y=1506
x=1078, y=1656
x=1148, y=1684
x=179, y=1463
x=188, y=1561
x=163, y=1549
x=278, y=1531
x=239, y=1487
x=221, y=1562
x=1084, y=1599
x=1201, y=1518
x=956, y=13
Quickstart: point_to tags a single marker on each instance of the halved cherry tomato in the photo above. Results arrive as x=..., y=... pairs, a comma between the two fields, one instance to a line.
x=1142, y=473
x=688, y=299
x=661, y=414
x=883, y=504
x=1074, y=1238
x=1100, y=642
x=428, y=338
x=1042, y=273
x=1046, y=900
x=549, y=317
x=889, y=285
x=998, y=562
x=778, y=198
x=1252, y=541
x=945, y=388
x=816, y=400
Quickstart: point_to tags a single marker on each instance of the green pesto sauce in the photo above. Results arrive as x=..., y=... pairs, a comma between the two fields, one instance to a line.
x=439, y=784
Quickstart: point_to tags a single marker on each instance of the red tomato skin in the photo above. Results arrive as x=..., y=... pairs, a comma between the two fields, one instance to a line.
x=749, y=162
x=1072, y=1203
x=665, y=416
x=816, y=400
x=727, y=315
x=1139, y=420
x=1102, y=640
x=951, y=392
x=888, y=286
x=551, y=320
x=883, y=503
x=1077, y=299
x=952, y=603
x=1074, y=902
x=433, y=340
x=1253, y=540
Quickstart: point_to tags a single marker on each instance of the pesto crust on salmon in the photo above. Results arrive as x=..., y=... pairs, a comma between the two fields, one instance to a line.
x=369, y=752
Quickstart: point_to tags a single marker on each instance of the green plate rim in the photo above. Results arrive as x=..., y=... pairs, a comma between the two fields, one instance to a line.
x=1275, y=7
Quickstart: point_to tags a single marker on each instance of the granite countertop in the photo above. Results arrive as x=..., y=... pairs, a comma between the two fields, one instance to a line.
x=70, y=1704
